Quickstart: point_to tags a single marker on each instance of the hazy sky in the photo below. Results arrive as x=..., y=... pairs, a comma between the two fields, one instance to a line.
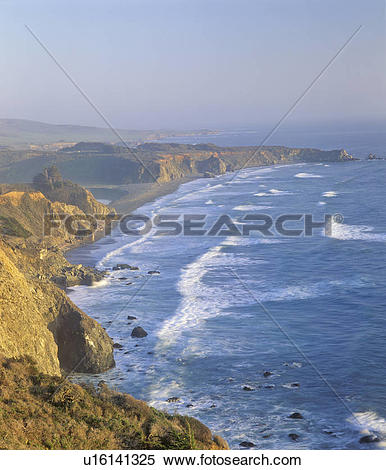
x=192, y=63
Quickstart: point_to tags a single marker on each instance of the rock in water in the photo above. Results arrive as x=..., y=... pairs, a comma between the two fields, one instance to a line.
x=173, y=399
x=247, y=388
x=130, y=317
x=247, y=444
x=138, y=332
x=368, y=439
x=293, y=436
x=295, y=415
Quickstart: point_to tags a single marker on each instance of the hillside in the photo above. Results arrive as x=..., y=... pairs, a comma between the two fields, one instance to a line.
x=34, y=134
x=39, y=411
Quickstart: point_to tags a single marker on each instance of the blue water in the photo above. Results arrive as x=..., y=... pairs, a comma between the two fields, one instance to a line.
x=300, y=308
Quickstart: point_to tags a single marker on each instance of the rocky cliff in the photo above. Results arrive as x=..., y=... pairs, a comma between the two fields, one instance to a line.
x=37, y=318
x=153, y=161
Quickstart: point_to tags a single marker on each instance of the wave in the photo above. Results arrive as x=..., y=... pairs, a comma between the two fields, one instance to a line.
x=355, y=232
x=307, y=175
x=330, y=194
x=201, y=301
x=103, y=283
x=272, y=192
x=369, y=421
x=251, y=207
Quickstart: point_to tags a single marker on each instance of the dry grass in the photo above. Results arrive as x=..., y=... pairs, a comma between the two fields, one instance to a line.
x=33, y=416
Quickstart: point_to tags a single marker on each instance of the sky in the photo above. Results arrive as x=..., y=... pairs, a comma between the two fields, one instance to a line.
x=188, y=64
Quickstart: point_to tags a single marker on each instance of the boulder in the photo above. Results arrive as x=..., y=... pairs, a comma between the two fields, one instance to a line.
x=173, y=399
x=296, y=415
x=138, y=332
x=368, y=439
x=247, y=388
x=246, y=444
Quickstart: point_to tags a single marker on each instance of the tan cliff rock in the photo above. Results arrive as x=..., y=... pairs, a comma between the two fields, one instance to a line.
x=37, y=318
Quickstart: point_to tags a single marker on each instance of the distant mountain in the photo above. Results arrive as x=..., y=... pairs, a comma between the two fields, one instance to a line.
x=23, y=133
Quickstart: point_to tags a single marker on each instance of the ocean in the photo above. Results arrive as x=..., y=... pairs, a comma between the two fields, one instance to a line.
x=245, y=331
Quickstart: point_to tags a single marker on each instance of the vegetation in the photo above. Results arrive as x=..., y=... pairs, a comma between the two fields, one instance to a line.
x=11, y=227
x=39, y=411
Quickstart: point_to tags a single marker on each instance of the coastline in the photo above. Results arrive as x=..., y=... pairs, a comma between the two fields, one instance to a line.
x=141, y=194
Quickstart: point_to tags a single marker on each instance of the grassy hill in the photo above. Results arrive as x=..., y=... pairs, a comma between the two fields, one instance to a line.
x=23, y=133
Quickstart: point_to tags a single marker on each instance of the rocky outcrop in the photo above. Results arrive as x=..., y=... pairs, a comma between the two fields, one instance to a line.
x=38, y=320
x=56, y=189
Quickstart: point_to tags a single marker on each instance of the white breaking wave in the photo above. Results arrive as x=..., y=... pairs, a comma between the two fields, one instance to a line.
x=356, y=232
x=250, y=207
x=307, y=175
x=369, y=421
x=199, y=300
x=272, y=192
x=277, y=191
x=103, y=283
x=330, y=194
x=209, y=202
x=322, y=203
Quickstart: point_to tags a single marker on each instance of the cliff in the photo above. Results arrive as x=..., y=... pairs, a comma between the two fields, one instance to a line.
x=106, y=165
x=37, y=318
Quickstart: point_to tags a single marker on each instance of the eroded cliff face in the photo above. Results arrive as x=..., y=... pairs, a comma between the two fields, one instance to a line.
x=37, y=319
x=146, y=163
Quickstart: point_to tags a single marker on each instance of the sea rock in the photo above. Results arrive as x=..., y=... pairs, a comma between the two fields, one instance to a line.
x=153, y=272
x=293, y=436
x=117, y=346
x=267, y=373
x=134, y=268
x=296, y=415
x=368, y=439
x=173, y=399
x=246, y=444
x=123, y=266
x=247, y=388
x=138, y=332
x=189, y=405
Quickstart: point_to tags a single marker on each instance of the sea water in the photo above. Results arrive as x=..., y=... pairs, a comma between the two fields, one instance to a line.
x=225, y=309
